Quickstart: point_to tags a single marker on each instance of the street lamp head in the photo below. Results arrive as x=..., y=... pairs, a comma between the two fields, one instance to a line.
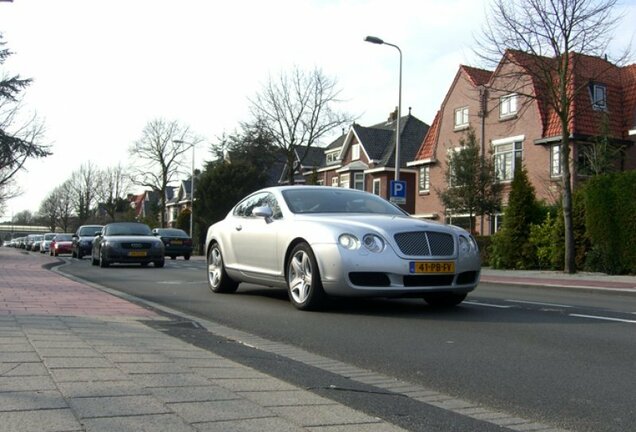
x=373, y=39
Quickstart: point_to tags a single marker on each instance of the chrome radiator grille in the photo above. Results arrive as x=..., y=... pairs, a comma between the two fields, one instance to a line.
x=425, y=243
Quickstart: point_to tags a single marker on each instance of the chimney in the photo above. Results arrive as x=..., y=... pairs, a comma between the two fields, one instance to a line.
x=393, y=116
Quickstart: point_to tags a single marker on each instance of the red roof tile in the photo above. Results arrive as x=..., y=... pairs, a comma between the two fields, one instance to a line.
x=477, y=76
x=427, y=149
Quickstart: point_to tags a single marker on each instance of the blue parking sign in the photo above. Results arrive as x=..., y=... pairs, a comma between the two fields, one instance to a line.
x=398, y=192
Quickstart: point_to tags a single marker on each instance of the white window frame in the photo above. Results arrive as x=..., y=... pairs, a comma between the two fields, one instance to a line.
x=358, y=181
x=345, y=181
x=424, y=179
x=599, y=97
x=377, y=186
x=355, y=152
x=461, y=117
x=506, y=153
x=555, y=160
x=508, y=105
x=332, y=157
x=334, y=181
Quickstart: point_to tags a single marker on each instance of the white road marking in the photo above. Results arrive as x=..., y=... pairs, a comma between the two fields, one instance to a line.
x=486, y=305
x=603, y=318
x=539, y=303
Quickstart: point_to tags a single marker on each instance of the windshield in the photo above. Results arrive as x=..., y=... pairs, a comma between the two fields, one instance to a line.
x=337, y=200
x=127, y=229
x=172, y=232
x=49, y=236
x=63, y=237
x=89, y=231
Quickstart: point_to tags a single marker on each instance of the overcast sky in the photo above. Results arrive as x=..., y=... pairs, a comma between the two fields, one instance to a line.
x=103, y=69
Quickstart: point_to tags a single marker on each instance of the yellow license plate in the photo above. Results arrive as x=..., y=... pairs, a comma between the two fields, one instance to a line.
x=432, y=267
x=137, y=254
x=176, y=242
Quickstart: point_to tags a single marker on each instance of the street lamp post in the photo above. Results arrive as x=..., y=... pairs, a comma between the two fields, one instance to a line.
x=377, y=40
x=191, y=188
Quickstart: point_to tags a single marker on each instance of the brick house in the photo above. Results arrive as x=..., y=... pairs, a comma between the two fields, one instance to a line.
x=514, y=128
x=178, y=199
x=364, y=157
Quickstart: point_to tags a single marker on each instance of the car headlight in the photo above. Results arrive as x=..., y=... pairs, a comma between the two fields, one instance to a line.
x=373, y=243
x=467, y=245
x=349, y=241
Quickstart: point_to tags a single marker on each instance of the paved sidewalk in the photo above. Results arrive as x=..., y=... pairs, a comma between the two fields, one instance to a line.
x=75, y=358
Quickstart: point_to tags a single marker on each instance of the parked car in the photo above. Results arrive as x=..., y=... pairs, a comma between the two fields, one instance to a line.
x=61, y=244
x=33, y=242
x=176, y=242
x=83, y=240
x=45, y=244
x=127, y=242
x=320, y=240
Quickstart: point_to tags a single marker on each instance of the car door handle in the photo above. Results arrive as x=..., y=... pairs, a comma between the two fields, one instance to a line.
x=238, y=227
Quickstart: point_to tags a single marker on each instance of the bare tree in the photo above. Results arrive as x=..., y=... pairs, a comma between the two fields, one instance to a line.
x=112, y=187
x=49, y=211
x=19, y=135
x=539, y=38
x=160, y=153
x=296, y=109
x=64, y=200
x=83, y=183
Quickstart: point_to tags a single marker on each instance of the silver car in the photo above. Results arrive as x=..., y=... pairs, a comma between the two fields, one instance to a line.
x=318, y=241
x=127, y=242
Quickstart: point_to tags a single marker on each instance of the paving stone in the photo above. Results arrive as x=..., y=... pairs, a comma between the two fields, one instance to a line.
x=88, y=374
x=250, y=425
x=31, y=400
x=193, y=394
x=285, y=398
x=264, y=384
x=17, y=347
x=137, y=358
x=67, y=352
x=144, y=423
x=154, y=368
x=77, y=362
x=28, y=383
x=231, y=372
x=101, y=388
x=5, y=339
x=170, y=380
x=23, y=369
x=364, y=427
x=116, y=406
x=19, y=357
x=323, y=415
x=195, y=412
x=39, y=421
x=209, y=363
x=189, y=354
x=40, y=345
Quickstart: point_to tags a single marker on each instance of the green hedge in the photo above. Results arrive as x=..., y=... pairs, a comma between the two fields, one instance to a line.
x=610, y=203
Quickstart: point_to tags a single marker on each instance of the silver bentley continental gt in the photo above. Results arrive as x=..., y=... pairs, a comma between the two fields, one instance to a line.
x=319, y=241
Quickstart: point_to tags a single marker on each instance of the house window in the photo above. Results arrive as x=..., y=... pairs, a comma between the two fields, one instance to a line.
x=507, y=158
x=344, y=181
x=376, y=186
x=332, y=157
x=355, y=152
x=358, y=181
x=461, y=117
x=496, y=221
x=334, y=181
x=555, y=160
x=598, y=92
x=424, y=179
x=508, y=105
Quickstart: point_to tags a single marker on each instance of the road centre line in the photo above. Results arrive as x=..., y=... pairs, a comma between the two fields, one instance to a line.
x=487, y=305
x=539, y=303
x=604, y=318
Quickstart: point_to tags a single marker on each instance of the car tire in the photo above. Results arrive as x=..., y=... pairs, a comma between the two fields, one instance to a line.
x=218, y=279
x=444, y=299
x=93, y=260
x=186, y=257
x=79, y=254
x=103, y=262
x=304, y=285
x=160, y=264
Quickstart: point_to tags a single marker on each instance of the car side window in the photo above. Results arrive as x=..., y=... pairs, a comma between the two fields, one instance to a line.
x=263, y=199
x=272, y=203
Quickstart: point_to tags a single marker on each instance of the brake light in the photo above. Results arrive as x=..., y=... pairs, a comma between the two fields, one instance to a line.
x=187, y=242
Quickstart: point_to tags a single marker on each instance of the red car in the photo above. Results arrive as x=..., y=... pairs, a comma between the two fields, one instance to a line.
x=61, y=244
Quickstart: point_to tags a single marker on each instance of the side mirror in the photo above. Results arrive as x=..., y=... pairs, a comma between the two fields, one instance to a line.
x=264, y=212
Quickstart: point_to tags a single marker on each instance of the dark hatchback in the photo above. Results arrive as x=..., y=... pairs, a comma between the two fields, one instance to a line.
x=176, y=242
x=127, y=242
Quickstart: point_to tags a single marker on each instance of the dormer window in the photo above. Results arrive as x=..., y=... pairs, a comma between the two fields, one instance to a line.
x=598, y=93
x=508, y=105
x=461, y=117
x=332, y=157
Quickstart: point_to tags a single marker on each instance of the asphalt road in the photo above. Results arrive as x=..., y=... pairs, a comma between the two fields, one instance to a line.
x=560, y=357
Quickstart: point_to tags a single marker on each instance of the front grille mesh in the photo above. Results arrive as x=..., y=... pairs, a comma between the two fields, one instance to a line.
x=425, y=243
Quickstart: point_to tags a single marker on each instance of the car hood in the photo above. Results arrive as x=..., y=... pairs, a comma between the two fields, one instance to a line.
x=388, y=224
